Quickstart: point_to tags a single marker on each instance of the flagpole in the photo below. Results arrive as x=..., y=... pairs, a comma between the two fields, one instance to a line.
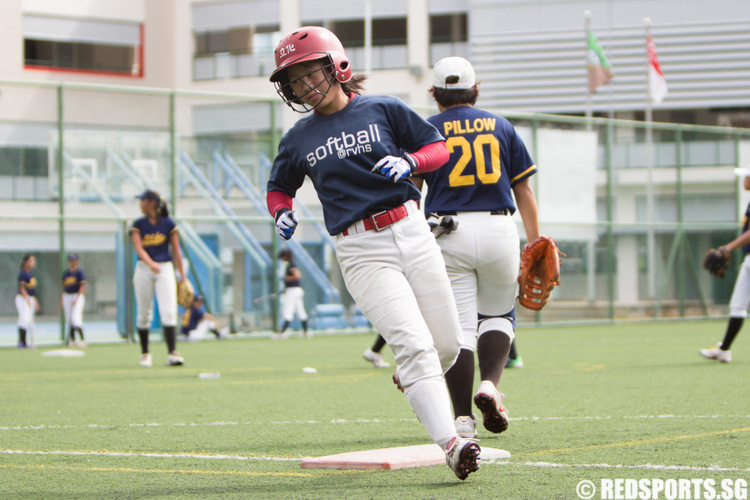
x=587, y=24
x=650, y=238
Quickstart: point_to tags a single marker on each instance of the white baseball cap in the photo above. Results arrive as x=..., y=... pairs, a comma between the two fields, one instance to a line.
x=742, y=172
x=453, y=67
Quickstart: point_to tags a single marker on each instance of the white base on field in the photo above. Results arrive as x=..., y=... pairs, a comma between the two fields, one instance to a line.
x=392, y=458
x=63, y=353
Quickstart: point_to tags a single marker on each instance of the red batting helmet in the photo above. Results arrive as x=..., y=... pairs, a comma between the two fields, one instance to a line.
x=307, y=44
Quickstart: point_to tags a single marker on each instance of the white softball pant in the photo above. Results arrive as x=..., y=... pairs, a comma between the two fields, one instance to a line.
x=482, y=258
x=292, y=301
x=740, y=300
x=73, y=311
x=164, y=284
x=201, y=329
x=26, y=311
x=397, y=278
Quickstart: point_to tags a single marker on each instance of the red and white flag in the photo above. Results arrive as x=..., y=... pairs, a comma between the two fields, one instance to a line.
x=657, y=84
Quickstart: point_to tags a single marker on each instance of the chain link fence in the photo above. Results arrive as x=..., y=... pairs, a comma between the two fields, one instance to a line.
x=633, y=206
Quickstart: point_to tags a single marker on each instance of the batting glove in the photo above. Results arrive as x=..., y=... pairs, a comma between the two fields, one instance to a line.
x=395, y=168
x=286, y=222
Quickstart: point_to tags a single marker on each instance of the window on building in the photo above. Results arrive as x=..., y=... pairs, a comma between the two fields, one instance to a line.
x=82, y=45
x=385, y=32
x=449, y=28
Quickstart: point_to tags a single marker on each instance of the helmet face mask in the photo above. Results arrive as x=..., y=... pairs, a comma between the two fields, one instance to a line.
x=287, y=92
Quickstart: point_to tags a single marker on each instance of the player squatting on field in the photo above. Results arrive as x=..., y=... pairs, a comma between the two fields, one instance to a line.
x=488, y=164
x=352, y=147
x=153, y=236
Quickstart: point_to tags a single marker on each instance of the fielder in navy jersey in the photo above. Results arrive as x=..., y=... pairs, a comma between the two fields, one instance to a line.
x=489, y=164
x=196, y=322
x=26, y=303
x=359, y=152
x=157, y=244
x=73, y=299
x=740, y=300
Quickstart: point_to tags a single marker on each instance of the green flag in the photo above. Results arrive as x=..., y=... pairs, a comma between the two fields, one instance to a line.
x=600, y=71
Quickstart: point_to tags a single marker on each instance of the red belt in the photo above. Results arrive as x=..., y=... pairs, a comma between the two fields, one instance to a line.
x=382, y=220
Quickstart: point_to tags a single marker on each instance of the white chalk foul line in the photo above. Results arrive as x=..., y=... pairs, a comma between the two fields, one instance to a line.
x=347, y=421
x=205, y=456
x=619, y=466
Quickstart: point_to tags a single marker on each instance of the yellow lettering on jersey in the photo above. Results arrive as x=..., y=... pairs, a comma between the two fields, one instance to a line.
x=31, y=284
x=152, y=240
x=70, y=281
x=448, y=128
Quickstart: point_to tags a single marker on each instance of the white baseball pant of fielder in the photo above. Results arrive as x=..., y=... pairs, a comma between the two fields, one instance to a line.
x=292, y=301
x=482, y=259
x=164, y=285
x=740, y=300
x=73, y=312
x=26, y=313
x=201, y=329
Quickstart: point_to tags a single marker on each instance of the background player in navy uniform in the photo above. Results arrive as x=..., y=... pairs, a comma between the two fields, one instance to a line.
x=26, y=303
x=197, y=321
x=740, y=300
x=73, y=300
x=157, y=244
x=292, y=299
x=353, y=149
x=488, y=165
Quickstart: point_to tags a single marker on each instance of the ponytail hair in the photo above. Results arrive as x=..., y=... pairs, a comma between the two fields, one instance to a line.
x=355, y=85
x=163, y=209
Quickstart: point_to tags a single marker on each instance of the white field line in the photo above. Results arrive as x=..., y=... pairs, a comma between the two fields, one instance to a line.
x=206, y=456
x=346, y=421
x=618, y=466
x=209, y=456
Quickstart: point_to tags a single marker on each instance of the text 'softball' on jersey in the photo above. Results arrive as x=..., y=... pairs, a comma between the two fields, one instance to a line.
x=487, y=159
x=155, y=238
x=72, y=280
x=338, y=151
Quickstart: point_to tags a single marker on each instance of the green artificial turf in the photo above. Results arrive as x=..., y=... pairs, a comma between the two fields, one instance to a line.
x=592, y=402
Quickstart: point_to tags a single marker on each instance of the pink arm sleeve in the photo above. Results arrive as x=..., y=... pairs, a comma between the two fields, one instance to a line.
x=276, y=200
x=431, y=156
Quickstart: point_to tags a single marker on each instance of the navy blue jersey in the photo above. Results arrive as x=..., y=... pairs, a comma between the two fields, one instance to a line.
x=191, y=318
x=155, y=238
x=72, y=280
x=487, y=159
x=26, y=280
x=289, y=271
x=337, y=152
x=746, y=226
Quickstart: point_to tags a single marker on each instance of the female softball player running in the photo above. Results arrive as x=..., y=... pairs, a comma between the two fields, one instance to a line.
x=153, y=236
x=72, y=300
x=26, y=303
x=488, y=164
x=353, y=149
